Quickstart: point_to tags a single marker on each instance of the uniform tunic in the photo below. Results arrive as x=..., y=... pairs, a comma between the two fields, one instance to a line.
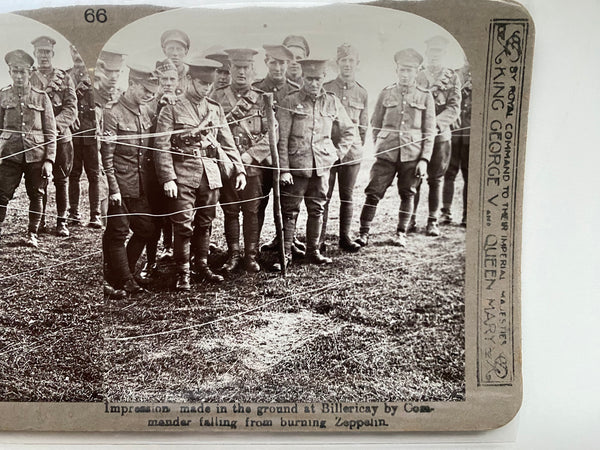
x=190, y=159
x=245, y=111
x=123, y=162
x=445, y=88
x=27, y=140
x=403, y=129
x=306, y=150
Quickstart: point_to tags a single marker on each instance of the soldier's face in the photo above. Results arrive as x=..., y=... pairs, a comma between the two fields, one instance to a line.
x=107, y=78
x=43, y=57
x=313, y=84
x=19, y=75
x=435, y=55
x=294, y=69
x=223, y=78
x=168, y=82
x=407, y=74
x=175, y=51
x=242, y=74
x=347, y=66
x=140, y=94
x=201, y=87
x=276, y=68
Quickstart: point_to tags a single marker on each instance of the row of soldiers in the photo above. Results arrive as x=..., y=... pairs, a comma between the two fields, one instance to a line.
x=48, y=129
x=198, y=135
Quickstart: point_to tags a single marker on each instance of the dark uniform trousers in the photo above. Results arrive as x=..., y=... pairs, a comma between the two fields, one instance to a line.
x=60, y=176
x=192, y=213
x=248, y=202
x=159, y=206
x=313, y=191
x=85, y=156
x=459, y=162
x=381, y=177
x=436, y=170
x=346, y=175
x=132, y=214
x=11, y=173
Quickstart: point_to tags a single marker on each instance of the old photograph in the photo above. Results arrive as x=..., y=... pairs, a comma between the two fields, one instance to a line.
x=262, y=217
x=370, y=124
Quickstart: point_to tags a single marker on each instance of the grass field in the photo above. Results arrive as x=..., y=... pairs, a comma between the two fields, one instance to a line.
x=384, y=324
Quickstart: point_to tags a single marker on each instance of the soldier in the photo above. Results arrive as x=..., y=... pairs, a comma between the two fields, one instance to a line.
x=300, y=49
x=306, y=153
x=158, y=202
x=85, y=151
x=277, y=58
x=107, y=73
x=224, y=72
x=244, y=109
x=28, y=140
x=403, y=129
x=354, y=98
x=60, y=88
x=123, y=161
x=106, y=76
x=460, y=151
x=176, y=45
x=187, y=167
x=445, y=88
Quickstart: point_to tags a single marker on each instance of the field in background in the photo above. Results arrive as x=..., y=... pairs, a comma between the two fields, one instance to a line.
x=384, y=324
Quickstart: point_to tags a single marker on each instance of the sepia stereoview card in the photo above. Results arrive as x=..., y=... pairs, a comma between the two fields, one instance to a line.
x=262, y=217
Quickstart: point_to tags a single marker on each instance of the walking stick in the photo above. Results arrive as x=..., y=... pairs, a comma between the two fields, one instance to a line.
x=276, y=188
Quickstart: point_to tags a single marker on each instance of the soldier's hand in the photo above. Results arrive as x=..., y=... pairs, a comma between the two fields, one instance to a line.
x=168, y=99
x=46, y=169
x=286, y=178
x=170, y=188
x=115, y=199
x=421, y=169
x=240, y=182
x=76, y=125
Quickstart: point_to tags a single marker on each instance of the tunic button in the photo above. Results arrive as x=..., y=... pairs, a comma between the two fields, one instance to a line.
x=343, y=98
x=274, y=89
x=23, y=134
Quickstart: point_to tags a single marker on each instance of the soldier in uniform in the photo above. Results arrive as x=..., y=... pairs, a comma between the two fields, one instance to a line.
x=60, y=88
x=27, y=142
x=403, y=129
x=300, y=49
x=444, y=85
x=277, y=58
x=106, y=76
x=85, y=151
x=460, y=151
x=244, y=109
x=306, y=153
x=188, y=170
x=224, y=72
x=167, y=75
x=354, y=98
x=123, y=161
x=176, y=45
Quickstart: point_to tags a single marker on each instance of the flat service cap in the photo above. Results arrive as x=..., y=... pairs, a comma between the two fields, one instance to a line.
x=279, y=52
x=297, y=41
x=43, y=42
x=241, y=55
x=313, y=67
x=175, y=35
x=203, y=68
x=408, y=57
x=144, y=75
x=111, y=59
x=19, y=58
x=222, y=57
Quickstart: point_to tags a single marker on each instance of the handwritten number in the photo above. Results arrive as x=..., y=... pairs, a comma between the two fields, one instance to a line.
x=90, y=15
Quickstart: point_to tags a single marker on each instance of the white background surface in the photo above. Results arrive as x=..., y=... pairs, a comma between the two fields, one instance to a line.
x=561, y=262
